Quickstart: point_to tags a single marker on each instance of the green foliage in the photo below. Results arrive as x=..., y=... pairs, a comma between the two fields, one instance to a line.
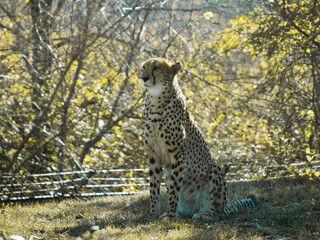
x=281, y=84
x=65, y=93
x=71, y=95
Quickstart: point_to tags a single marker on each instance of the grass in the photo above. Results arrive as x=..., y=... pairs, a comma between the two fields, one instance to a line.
x=288, y=209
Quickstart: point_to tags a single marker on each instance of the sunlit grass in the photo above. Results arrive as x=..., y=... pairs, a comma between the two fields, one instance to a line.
x=289, y=209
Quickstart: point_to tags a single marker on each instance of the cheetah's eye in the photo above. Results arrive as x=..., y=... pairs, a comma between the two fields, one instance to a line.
x=155, y=68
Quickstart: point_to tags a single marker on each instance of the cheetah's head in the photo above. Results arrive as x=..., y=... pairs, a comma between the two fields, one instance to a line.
x=158, y=74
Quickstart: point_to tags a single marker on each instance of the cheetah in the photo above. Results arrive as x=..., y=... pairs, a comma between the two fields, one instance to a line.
x=174, y=144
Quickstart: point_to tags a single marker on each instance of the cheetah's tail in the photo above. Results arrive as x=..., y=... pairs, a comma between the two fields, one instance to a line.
x=241, y=205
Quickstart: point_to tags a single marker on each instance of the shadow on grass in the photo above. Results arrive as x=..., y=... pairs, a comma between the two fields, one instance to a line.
x=287, y=208
x=84, y=227
x=123, y=214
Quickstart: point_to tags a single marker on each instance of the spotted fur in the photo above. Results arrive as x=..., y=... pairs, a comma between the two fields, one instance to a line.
x=195, y=182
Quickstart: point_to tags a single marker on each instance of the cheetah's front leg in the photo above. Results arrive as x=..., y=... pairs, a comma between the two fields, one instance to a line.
x=155, y=171
x=175, y=184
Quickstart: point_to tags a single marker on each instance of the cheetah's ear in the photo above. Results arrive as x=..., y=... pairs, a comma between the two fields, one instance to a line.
x=177, y=67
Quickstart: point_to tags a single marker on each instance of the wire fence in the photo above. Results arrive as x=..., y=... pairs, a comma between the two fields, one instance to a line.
x=94, y=183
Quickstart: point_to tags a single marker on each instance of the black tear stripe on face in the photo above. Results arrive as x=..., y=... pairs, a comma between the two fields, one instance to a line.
x=154, y=79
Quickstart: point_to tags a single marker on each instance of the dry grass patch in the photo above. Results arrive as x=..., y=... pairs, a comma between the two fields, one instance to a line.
x=288, y=209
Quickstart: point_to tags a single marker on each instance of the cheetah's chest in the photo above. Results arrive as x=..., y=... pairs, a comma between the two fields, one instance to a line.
x=152, y=132
x=163, y=129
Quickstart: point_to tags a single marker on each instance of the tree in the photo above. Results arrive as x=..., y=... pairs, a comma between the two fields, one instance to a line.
x=283, y=38
x=71, y=97
x=53, y=113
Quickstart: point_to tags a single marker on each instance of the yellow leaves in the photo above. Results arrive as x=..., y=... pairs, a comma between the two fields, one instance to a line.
x=309, y=154
x=215, y=122
x=59, y=104
x=88, y=94
x=239, y=20
x=141, y=166
x=298, y=69
x=233, y=21
x=74, y=65
x=104, y=80
x=309, y=134
x=214, y=17
x=135, y=80
x=117, y=131
x=84, y=89
x=307, y=114
x=112, y=73
x=208, y=15
x=87, y=159
x=258, y=10
x=310, y=113
x=264, y=64
x=95, y=90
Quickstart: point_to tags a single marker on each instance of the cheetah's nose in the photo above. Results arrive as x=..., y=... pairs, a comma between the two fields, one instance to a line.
x=145, y=78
